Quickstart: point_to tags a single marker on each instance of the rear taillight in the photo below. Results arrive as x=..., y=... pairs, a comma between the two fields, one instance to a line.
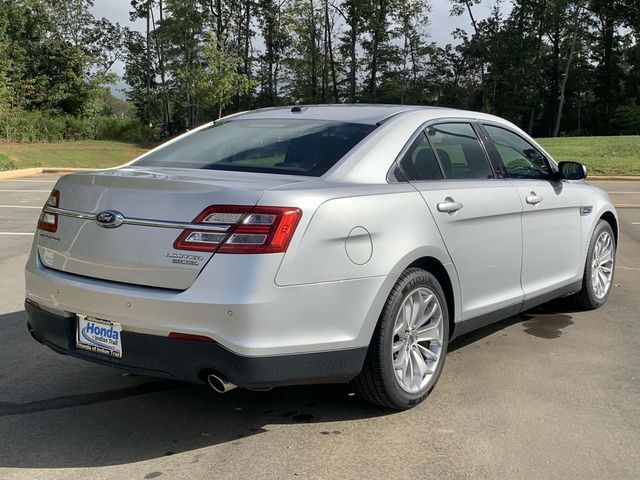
x=49, y=221
x=242, y=229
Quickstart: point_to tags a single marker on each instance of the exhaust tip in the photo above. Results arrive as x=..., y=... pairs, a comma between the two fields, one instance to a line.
x=219, y=384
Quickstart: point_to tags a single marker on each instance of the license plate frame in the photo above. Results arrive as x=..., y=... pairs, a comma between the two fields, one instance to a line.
x=99, y=336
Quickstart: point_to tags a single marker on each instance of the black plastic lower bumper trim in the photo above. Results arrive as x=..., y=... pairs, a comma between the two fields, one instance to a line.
x=185, y=360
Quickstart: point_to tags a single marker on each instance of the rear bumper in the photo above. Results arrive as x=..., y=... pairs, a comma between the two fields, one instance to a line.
x=234, y=301
x=183, y=360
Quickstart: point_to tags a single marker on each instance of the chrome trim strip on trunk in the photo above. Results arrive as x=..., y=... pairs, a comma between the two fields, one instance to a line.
x=142, y=222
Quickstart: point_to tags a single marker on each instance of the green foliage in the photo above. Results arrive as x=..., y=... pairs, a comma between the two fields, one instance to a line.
x=626, y=119
x=126, y=130
x=220, y=80
x=6, y=163
x=55, y=58
x=33, y=126
x=553, y=66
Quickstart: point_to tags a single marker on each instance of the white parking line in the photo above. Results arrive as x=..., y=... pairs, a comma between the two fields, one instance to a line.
x=16, y=233
x=628, y=268
x=26, y=191
x=18, y=206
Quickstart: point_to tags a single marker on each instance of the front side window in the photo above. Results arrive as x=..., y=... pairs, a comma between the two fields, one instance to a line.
x=459, y=151
x=520, y=158
x=420, y=162
x=293, y=147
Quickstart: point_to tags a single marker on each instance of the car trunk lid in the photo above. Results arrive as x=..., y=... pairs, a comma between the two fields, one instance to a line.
x=142, y=253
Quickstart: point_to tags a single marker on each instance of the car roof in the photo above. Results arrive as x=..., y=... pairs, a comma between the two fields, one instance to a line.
x=350, y=113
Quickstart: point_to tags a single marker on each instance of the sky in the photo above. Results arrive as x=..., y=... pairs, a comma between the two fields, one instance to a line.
x=440, y=28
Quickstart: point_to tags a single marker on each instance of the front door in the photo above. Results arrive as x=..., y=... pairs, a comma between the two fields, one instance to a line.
x=550, y=218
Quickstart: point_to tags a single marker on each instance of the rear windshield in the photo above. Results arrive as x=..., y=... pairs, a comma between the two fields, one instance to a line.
x=295, y=147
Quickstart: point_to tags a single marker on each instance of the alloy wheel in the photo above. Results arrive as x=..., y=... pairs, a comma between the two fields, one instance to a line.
x=602, y=265
x=418, y=336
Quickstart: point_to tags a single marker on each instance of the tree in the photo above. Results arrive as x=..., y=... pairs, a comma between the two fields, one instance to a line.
x=353, y=13
x=140, y=74
x=6, y=92
x=607, y=18
x=304, y=55
x=154, y=53
x=378, y=47
x=565, y=76
x=458, y=8
x=221, y=80
x=276, y=41
x=412, y=19
x=184, y=32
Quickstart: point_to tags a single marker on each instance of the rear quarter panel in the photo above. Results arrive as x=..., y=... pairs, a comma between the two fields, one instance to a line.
x=375, y=231
x=350, y=233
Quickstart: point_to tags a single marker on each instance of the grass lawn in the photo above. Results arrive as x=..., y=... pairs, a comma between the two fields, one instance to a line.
x=602, y=155
x=92, y=154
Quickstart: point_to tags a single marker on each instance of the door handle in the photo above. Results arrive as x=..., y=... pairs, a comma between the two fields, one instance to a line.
x=449, y=206
x=533, y=198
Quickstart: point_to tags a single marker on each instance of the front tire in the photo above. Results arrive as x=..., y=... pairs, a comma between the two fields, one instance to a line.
x=599, y=268
x=408, y=348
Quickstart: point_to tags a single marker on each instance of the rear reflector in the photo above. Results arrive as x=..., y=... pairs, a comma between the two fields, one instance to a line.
x=247, y=230
x=189, y=337
x=33, y=303
x=49, y=221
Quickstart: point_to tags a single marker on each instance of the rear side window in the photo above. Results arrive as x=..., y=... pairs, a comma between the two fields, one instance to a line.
x=459, y=151
x=420, y=162
x=520, y=158
x=294, y=147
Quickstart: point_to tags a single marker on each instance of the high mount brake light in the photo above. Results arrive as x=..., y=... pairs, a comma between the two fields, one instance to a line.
x=49, y=221
x=244, y=229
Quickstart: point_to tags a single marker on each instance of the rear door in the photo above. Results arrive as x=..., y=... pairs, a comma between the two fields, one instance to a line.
x=551, y=214
x=478, y=215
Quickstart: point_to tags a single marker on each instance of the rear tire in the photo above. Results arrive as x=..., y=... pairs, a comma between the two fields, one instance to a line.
x=408, y=348
x=599, y=268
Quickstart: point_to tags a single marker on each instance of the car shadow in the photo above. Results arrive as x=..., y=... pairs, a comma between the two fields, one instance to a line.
x=60, y=412
x=136, y=418
x=545, y=321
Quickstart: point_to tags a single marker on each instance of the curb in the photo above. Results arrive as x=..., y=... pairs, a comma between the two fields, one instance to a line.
x=28, y=172
x=70, y=169
x=24, y=172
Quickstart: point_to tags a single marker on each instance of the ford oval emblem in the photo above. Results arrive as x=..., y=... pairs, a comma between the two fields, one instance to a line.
x=109, y=219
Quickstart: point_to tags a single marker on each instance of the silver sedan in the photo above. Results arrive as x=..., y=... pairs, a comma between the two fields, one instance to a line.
x=315, y=244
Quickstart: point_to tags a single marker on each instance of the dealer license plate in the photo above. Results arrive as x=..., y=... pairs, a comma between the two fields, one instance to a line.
x=99, y=336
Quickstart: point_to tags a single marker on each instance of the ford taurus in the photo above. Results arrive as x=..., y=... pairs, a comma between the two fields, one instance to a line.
x=312, y=245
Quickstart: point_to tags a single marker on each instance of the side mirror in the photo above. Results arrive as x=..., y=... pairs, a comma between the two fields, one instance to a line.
x=572, y=170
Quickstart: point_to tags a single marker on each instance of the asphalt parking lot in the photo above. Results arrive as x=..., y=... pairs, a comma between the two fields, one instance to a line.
x=552, y=393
